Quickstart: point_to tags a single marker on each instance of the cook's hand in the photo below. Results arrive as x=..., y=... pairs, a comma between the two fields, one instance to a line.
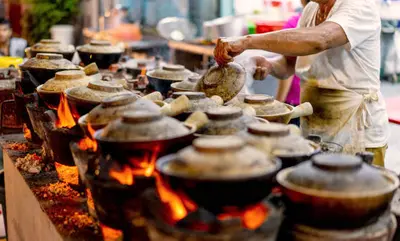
x=227, y=48
x=262, y=67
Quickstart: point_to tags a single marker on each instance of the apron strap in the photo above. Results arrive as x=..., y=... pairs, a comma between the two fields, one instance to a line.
x=366, y=114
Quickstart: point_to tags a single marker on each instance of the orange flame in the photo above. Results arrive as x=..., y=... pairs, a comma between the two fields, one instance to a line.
x=143, y=71
x=27, y=132
x=252, y=217
x=88, y=143
x=65, y=118
x=138, y=167
x=110, y=234
x=177, y=204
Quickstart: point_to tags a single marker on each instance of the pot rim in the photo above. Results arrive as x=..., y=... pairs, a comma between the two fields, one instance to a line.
x=40, y=91
x=316, y=150
x=161, y=161
x=96, y=126
x=389, y=176
x=97, y=136
x=290, y=112
x=78, y=49
x=45, y=69
x=178, y=89
x=79, y=99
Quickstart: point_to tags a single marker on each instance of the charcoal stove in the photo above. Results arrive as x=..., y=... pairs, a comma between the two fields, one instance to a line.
x=204, y=226
x=382, y=230
x=9, y=121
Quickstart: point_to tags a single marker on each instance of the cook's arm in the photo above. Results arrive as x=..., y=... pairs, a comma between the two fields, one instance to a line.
x=283, y=89
x=299, y=41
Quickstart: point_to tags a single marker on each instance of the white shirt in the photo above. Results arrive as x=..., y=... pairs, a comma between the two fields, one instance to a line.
x=355, y=65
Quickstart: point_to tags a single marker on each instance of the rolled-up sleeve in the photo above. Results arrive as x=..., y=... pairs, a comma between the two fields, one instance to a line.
x=358, y=18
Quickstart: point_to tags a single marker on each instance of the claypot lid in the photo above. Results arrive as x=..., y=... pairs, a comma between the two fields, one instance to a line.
x=96, y=91
x=337, y=173
x=142, y=126
x=114, y=107
x=226, y=81
x=212, y=145
x=269, y=129
x=49, y=61
x=190, y=95
x=105, y=86
x=100, y=47
x=258, y=99
x=194, y=78
x=220, y=158
x=224, y=113
x=64, y=80
x=170, y=72
x=52, y=46
x=118, y=100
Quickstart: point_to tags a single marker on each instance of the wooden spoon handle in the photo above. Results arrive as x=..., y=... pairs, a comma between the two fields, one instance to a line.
x=304, y=109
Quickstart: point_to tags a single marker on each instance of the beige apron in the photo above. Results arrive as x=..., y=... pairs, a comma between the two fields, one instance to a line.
x=340, y=114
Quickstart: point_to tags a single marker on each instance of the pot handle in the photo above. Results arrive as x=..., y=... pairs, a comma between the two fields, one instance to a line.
x=304, y=109
x=217, y=99
x=28, y=52
x=178, y=106
x=153, y=96
x=197, y=120
x=249, y=110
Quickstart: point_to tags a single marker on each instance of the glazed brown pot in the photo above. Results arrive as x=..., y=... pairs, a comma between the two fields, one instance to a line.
x=275, y=139
x=50, y=91
x=337, y=191
x=83, y=99
x=225, y=121
x=100, y=52
x=220, y=172
x=161, y=79
x=51, y=46
x=139, y=131
x=226, y=81
x=44, y=67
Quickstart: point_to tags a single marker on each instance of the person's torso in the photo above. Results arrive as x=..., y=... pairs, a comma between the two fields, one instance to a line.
x=356, y=69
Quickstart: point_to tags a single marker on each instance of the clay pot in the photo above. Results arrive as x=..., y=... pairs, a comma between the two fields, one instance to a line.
x=50, y=91
x=53, y=47
x=188, y=84
x=276, y=140
x=140, y=131
x=135, y=66
x=226, y=81
x=44, y=67
x=162, y=78
x=337, y=191
x=226, y=120
x=268, y=108
x=220, y=172
x=114, y=107
x=100, y=52
x=198, y=102
x=84, y=98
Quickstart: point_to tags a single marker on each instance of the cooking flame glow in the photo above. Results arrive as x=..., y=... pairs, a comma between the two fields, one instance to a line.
x=27, y=132
x=252, y=217
x=88, y=143
x=143, y=71
x=178, y=205
x=65, y=118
